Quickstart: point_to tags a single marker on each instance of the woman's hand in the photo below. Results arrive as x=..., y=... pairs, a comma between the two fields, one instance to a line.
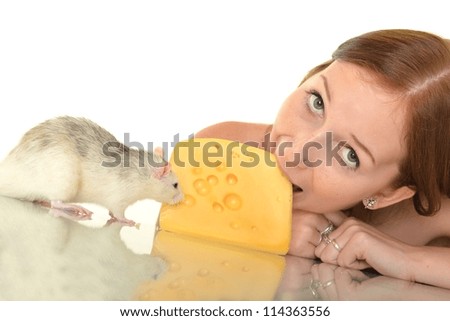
x=306, y=231
x=357, y=245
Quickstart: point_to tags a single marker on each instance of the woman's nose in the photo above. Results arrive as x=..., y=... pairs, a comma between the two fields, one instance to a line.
x=304, y=153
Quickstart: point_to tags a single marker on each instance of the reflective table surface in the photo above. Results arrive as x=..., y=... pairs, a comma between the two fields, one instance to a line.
x=47, y=258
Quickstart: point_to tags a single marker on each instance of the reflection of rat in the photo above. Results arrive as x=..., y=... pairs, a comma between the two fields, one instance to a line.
x=69, y=159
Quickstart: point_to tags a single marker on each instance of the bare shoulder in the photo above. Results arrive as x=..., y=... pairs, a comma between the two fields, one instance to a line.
x=444, y=216
x=443, y=222
x=237, y=131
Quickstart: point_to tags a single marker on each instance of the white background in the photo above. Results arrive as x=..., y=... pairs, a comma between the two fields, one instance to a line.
x=155, y=69
x=158, y=68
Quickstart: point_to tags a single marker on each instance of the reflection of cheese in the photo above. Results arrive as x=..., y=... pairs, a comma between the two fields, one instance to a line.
x=234, y=193
x=200, y=270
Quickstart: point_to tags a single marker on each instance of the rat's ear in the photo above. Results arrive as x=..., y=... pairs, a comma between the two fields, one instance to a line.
x=167, y=168
x=159, y=151
x=161, y=171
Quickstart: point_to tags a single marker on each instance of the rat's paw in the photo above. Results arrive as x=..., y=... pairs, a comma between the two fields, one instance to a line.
x=124, y=221
x=70, y=211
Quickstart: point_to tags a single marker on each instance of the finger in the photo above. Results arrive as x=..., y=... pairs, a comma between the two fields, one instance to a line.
x=301, y=248
x=309, y=226
x=315, y=218
x=298, y=265
x=324, y=227
x=349, y=282
x=320, y=248
x=350, y=258
x=337, y=218
x=343, y=277
x=345, y=283
x=330, y=248
x=326, y=270
x=354, y=275
x=297, y=273
x=326, y=273
x=341, y=235
x=323, y=278
x=338, y=233
x=339, y=249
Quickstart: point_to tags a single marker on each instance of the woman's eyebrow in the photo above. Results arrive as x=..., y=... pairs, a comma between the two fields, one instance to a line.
x=327, y=89
x=363, y=147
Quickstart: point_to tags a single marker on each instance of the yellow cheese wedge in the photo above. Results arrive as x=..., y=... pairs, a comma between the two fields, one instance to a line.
x=202, y=270
x=234, y=193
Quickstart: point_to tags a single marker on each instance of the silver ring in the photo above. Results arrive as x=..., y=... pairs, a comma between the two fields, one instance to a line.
x=328, y=229
x=326, y=239
x=336, y=246
x=314, y=286
x=327, y=284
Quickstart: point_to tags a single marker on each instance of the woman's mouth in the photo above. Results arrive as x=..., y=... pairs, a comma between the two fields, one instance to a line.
x=296, y=189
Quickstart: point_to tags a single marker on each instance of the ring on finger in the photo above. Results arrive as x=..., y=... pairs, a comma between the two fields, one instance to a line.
x=336, y=245
x=327, y=284
x=328, y=229
x=314, y=286
x=326, y=239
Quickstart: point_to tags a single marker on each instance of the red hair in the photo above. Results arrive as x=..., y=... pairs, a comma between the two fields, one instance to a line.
x=416, y=65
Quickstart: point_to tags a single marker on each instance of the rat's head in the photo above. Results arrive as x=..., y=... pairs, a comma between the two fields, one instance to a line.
x=165, y=183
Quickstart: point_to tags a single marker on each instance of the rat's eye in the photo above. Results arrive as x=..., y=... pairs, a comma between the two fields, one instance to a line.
x=175, y=185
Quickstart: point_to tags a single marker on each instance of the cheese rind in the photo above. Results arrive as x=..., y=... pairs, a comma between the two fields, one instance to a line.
x=234, y=193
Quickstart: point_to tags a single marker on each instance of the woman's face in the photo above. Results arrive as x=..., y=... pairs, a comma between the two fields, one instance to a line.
x=339, y=138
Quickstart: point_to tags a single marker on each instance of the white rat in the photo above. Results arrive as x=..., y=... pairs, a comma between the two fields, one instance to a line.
x=69, y=159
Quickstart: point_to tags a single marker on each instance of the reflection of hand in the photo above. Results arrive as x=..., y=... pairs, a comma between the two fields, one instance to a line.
x=294, y=284
x=305, y=279
x=331, y=282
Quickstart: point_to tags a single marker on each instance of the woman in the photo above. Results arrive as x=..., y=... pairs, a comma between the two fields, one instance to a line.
x=365, y=142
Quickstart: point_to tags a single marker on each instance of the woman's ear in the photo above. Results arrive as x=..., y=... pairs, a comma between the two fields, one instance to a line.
x=393, y=196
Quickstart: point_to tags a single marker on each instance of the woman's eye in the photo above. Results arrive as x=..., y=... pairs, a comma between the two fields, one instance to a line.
x=315, y=103
x=350, y=157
